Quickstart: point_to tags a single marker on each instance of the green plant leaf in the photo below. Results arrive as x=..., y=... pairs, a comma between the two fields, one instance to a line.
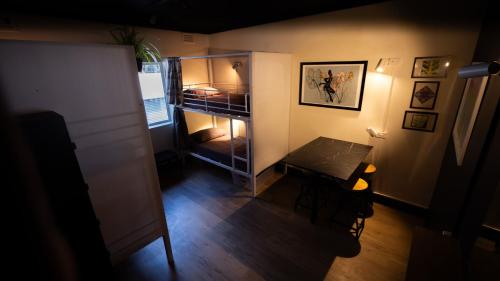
x=145, y=51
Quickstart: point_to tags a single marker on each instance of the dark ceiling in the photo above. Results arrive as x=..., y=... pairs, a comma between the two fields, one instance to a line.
x=201, y=16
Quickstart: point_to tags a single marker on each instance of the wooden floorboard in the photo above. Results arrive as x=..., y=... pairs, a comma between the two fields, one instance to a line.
x=219, y=232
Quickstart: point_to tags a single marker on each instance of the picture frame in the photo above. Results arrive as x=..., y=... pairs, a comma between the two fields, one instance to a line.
x=420, y=121
x=424, y=94
x=333, y=84
x=430, y=67
x=467, y=114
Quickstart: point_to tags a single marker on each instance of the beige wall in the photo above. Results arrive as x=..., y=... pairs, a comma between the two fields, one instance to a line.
x=223, y=72
x=195, y=71
x=239, y=127
x=169, y=43
x=408, y=161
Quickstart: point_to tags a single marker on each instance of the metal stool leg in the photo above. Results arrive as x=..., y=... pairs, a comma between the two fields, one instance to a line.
x=361, y=207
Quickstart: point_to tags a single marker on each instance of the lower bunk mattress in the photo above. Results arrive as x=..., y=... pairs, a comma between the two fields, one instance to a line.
x=219, y=149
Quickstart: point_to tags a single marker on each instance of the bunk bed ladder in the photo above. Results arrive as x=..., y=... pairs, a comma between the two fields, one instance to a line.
x=247, y=138
x=206, y=102
x=232, y=143
x=236, y=157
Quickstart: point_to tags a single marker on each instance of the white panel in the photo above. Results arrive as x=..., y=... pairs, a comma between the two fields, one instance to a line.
x=96, y=89
x=270, y=108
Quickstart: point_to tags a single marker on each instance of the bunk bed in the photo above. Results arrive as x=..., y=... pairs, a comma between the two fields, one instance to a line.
x=251, y=88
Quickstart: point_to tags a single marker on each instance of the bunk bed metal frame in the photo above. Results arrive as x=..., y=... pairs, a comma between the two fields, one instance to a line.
x=191, y=99
x=232, y=168
x=246, y=119
x=267, y=143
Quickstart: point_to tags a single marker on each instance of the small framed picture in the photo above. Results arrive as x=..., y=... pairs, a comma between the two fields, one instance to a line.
x=430, y=67
x=420, y=121
x=424, y=94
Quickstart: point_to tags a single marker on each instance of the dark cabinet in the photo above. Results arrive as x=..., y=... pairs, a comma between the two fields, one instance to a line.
x=67, y=192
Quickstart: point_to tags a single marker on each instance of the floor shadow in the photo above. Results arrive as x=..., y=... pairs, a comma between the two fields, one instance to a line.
x=280, y=244
x=220, y=233
x=283, y=194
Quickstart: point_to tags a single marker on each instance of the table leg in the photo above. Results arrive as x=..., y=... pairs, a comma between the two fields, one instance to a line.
x=314, y=211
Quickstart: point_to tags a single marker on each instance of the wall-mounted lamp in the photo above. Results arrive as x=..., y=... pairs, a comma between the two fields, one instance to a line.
x=236, y=65
x=385, y=65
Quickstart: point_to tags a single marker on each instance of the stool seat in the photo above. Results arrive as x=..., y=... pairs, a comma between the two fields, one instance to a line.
x=360, y=185
x=370, y=169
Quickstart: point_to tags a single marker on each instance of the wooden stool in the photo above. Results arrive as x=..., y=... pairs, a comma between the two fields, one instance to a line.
x=358, y=194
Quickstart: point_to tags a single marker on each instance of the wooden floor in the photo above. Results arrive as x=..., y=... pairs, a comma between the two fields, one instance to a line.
x=219, y=232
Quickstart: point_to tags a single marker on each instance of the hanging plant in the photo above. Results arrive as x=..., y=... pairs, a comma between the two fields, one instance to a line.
x=144, y=51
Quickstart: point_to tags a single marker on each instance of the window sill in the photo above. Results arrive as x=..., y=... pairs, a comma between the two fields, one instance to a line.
x=160, y=125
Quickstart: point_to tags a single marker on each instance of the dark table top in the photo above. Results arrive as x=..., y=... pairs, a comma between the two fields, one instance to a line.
x=331, y=157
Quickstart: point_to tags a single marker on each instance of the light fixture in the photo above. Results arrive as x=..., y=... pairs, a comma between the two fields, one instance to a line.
x=479, y=69
x=236, y=65
x=447, y=64
x=385, y=65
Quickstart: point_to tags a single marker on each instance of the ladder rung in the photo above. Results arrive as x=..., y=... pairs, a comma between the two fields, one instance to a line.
x=240, y=158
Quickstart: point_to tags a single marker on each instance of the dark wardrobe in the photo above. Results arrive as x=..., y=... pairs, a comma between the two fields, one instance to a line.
x=62, y=182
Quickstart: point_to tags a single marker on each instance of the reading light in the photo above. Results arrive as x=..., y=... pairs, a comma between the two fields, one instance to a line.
x=385, y=65
x=379, y=67
x=236, y=65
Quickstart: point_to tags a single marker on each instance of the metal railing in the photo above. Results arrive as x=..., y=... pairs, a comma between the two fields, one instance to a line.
x=201, y=99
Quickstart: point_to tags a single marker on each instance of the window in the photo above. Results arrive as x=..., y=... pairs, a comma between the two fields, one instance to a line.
x=157, y=110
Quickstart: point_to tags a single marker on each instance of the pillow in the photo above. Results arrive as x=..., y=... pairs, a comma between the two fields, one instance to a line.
x=207, y=134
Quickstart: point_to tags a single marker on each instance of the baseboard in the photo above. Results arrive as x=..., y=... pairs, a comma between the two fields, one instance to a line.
x=400, y=205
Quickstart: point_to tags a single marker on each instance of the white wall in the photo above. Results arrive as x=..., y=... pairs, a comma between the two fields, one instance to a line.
x=408, y=161
x=168, y=42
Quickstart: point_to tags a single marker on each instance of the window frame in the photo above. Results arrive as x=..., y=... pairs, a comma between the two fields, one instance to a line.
x=169, y=120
